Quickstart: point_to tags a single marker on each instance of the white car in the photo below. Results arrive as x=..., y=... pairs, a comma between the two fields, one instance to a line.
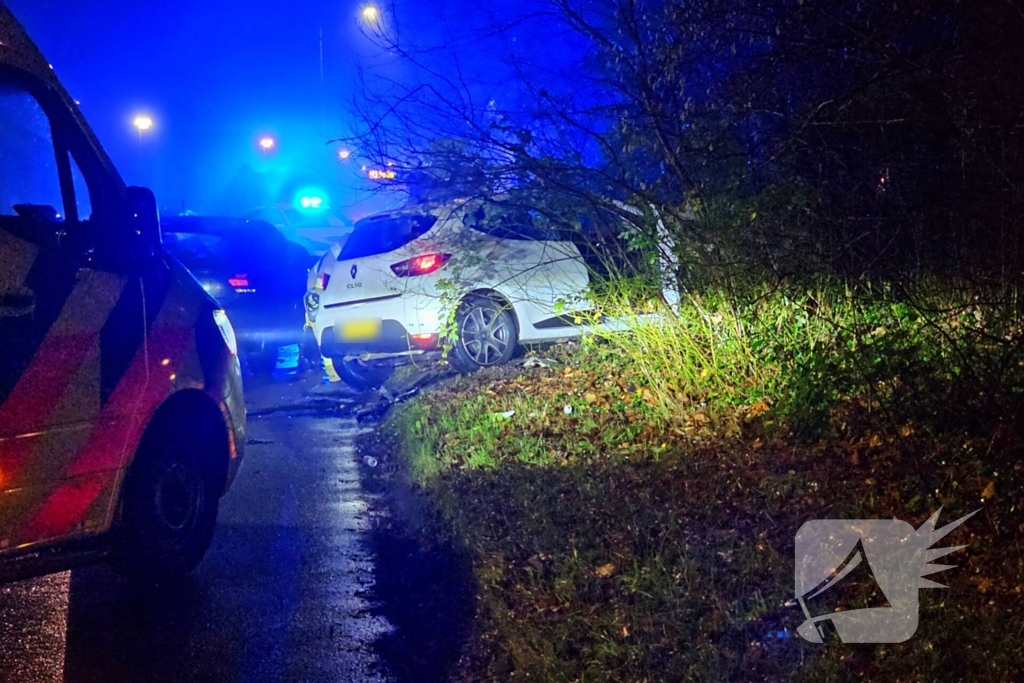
x=405, y=279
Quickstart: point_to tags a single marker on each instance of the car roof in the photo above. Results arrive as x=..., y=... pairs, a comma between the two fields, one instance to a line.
x=424, y=209
x=17, y=49
x=287, y=216
x=213, y=225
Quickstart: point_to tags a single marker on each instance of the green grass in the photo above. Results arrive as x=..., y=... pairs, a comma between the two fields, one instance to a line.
x=646, y=533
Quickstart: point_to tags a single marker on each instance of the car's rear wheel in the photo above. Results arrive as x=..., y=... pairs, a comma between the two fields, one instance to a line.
x=364, y=376
x=262, y=361
x=169, y=507
x=487, y=335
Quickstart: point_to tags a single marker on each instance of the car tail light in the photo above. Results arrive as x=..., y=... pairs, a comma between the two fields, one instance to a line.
x=323, y=280
x=241, y=285
x=421, y=265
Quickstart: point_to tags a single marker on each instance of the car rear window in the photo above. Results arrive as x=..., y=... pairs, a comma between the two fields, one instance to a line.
x=254, y=246
x=195, y=250
x=381, y=234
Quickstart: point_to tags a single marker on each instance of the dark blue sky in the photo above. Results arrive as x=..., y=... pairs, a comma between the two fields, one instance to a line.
x=215, y=75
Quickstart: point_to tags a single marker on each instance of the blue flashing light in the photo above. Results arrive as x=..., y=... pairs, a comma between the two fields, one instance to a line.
x=311, y=199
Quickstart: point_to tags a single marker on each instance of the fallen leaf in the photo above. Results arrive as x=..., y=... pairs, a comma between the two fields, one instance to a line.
x=590, y=397
x=982, y=582
x=759, y=408
x=990, y=490
x=605, y=570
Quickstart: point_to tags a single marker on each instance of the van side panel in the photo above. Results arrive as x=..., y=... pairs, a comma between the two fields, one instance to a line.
x=75, y=411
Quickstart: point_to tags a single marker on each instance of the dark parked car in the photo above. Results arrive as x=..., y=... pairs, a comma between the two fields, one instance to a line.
x=256, y=274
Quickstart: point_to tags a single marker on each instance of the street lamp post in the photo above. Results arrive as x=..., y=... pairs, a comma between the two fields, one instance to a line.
x=145, y=124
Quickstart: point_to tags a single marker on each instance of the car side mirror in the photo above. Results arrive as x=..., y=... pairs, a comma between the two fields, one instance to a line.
x=144, y=222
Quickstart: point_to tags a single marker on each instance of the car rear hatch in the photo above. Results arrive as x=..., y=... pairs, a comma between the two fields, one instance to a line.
x=248, y=268
x=369, y=267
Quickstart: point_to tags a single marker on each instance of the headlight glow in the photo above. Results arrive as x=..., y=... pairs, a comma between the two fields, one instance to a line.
x=226, y=330
x=212, y=287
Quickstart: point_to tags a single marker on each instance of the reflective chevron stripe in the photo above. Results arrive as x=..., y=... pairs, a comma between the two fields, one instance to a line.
x=72, y=343
x=126, y=328
x=49, y=282
x=79, y=348
x=145, y=385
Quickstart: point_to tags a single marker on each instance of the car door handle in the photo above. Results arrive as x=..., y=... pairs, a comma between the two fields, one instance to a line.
x=17, y=304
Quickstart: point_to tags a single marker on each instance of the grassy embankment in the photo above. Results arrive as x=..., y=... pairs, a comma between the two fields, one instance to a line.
x=633, y=520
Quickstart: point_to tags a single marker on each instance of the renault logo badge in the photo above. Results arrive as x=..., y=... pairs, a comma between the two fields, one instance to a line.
x=354, y=271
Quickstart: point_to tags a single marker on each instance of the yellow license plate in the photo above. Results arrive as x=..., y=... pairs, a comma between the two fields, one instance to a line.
x=360, y=330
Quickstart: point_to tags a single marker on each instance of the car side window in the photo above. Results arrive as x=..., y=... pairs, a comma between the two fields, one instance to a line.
x=520, y=225
x=29, y=180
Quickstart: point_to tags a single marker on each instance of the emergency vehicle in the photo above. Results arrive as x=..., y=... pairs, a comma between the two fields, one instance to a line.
x=121, y=410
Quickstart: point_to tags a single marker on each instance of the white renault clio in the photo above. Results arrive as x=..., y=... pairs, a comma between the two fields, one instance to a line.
x=401, y=279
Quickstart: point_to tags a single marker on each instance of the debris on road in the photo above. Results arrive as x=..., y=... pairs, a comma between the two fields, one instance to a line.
x=400, y=394
x=536, y=362
x=308, y=406
x=373, y=412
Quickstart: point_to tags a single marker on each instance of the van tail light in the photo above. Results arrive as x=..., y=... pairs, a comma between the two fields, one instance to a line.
x=421, y=265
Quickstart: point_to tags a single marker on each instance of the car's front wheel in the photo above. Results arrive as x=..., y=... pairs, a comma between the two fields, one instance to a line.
x=364, y=376
x=486, y=335
x=169, y=508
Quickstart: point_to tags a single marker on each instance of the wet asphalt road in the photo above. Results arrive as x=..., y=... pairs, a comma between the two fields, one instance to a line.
x=283, y=595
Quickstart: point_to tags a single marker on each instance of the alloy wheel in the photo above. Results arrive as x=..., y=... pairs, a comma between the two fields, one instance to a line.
x=486, y=335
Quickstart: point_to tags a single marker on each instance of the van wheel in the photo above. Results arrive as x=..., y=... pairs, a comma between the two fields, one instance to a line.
x=169, y=508
x=364, y=376
x=487, y=335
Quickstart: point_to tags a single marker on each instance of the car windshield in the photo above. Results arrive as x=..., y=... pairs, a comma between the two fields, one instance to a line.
x=381, y=234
